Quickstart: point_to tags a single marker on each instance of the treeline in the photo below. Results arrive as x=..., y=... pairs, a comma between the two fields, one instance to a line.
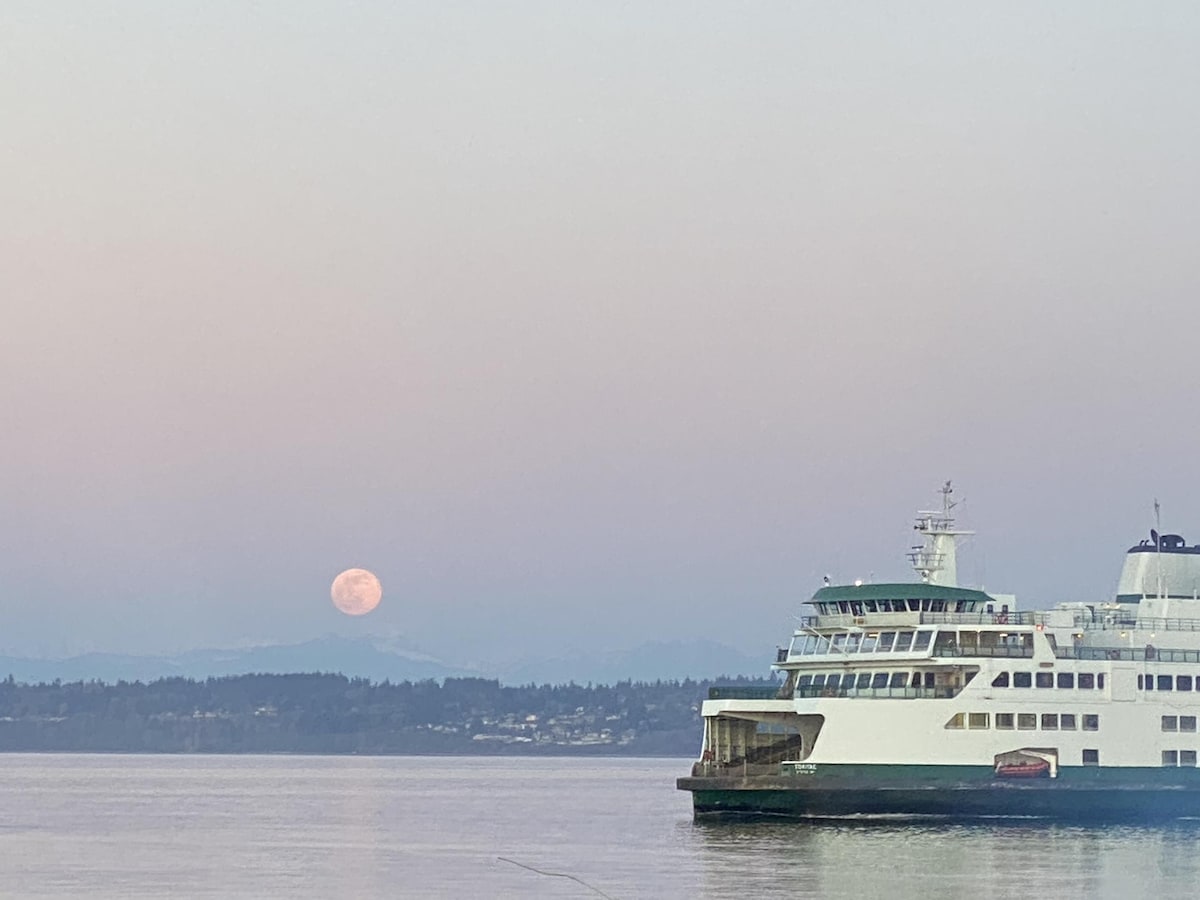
x=324, y=713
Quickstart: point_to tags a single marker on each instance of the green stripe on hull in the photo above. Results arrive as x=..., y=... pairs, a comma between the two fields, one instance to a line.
x=1078, y=793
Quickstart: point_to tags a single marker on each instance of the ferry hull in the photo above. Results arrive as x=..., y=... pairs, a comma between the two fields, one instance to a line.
x=957, y=792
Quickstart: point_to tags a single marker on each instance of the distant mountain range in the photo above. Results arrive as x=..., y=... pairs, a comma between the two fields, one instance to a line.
x=365, y=658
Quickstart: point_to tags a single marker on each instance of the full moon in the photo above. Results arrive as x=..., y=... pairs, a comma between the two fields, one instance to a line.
x=356, y=592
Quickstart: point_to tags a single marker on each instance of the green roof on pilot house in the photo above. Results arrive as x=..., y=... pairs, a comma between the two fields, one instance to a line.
x=903, y=591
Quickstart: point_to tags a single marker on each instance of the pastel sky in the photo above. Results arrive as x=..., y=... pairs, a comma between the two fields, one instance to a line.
x=581, y=323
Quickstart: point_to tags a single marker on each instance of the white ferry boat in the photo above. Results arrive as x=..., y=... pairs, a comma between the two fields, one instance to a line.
x=927, y=698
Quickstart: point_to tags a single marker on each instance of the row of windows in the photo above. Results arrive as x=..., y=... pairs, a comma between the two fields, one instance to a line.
x=1179, y=757
x=860, y=607
x=1178, y=723
x=1084, y=680
x=864, y=680
x=862, y=642
x=1168, y=683
x=1026, y=721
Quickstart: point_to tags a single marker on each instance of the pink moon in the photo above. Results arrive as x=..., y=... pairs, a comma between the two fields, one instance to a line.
x=356, y=592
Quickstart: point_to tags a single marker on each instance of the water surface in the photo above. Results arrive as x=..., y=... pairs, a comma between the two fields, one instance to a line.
x=238, y=826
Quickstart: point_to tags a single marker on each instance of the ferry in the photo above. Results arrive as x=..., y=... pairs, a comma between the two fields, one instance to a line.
x=930, y=699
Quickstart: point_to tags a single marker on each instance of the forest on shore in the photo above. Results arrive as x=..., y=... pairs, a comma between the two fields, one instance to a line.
x=329, y=713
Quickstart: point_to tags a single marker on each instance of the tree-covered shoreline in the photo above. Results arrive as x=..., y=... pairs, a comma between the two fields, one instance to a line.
x=330, y=713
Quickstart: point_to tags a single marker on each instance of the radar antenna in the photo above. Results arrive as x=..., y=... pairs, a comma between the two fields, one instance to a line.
x=934, y=558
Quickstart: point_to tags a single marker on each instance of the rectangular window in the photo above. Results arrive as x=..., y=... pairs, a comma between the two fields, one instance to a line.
x=899, y=679
x=1044, y=679
x=879, y=680
x=1100, y=681
x=904, y=641
x=1066, y=679
x=1004, y=720
x=1165, y=682
x=1149, y=685
x=930, y=679
x=870, y=643
x=1091, y=757
x=921, y=641
x=916, y=679
x=831, y=683
x=839, y=643
x=886, y=641
x=1000, y=680
x=956, y=720
x=1087, y=681
x=1022, y=679
x=1026, y=721
x=1170, y=758
x=1067, y=721
x=1187, y=723
x=1170, y=723
x=1091, y=722
x=852, y=641
x=1187, y=757
x=804, y=681
x=1183, y=682
x=864, y=681
x=1139, y=682
x=977, y=720
x=1049, y=721
x=818, y=681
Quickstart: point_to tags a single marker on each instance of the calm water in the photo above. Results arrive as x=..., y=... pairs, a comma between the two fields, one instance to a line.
x=235, y=826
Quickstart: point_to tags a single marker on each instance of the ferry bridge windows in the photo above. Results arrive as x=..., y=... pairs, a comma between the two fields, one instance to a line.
x=885, y=641
x=921, y=640
x=818, y=681
x=851, y=644
x=1066, y=679
x=1022, y=679
x=1044, y=679
x=1000, y=680
x=1091, y=757
x=804, y=681
x=899, y=680
x=870, y=643
x=879, y=680
x=864, y=680
x=904, y=641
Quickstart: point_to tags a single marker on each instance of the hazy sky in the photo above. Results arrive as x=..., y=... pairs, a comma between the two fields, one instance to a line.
x=581, y=324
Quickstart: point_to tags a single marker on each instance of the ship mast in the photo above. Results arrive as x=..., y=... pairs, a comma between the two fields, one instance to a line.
x=934, y=558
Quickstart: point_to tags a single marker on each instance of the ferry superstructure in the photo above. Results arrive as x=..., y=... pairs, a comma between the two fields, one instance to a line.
x=927, y=698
